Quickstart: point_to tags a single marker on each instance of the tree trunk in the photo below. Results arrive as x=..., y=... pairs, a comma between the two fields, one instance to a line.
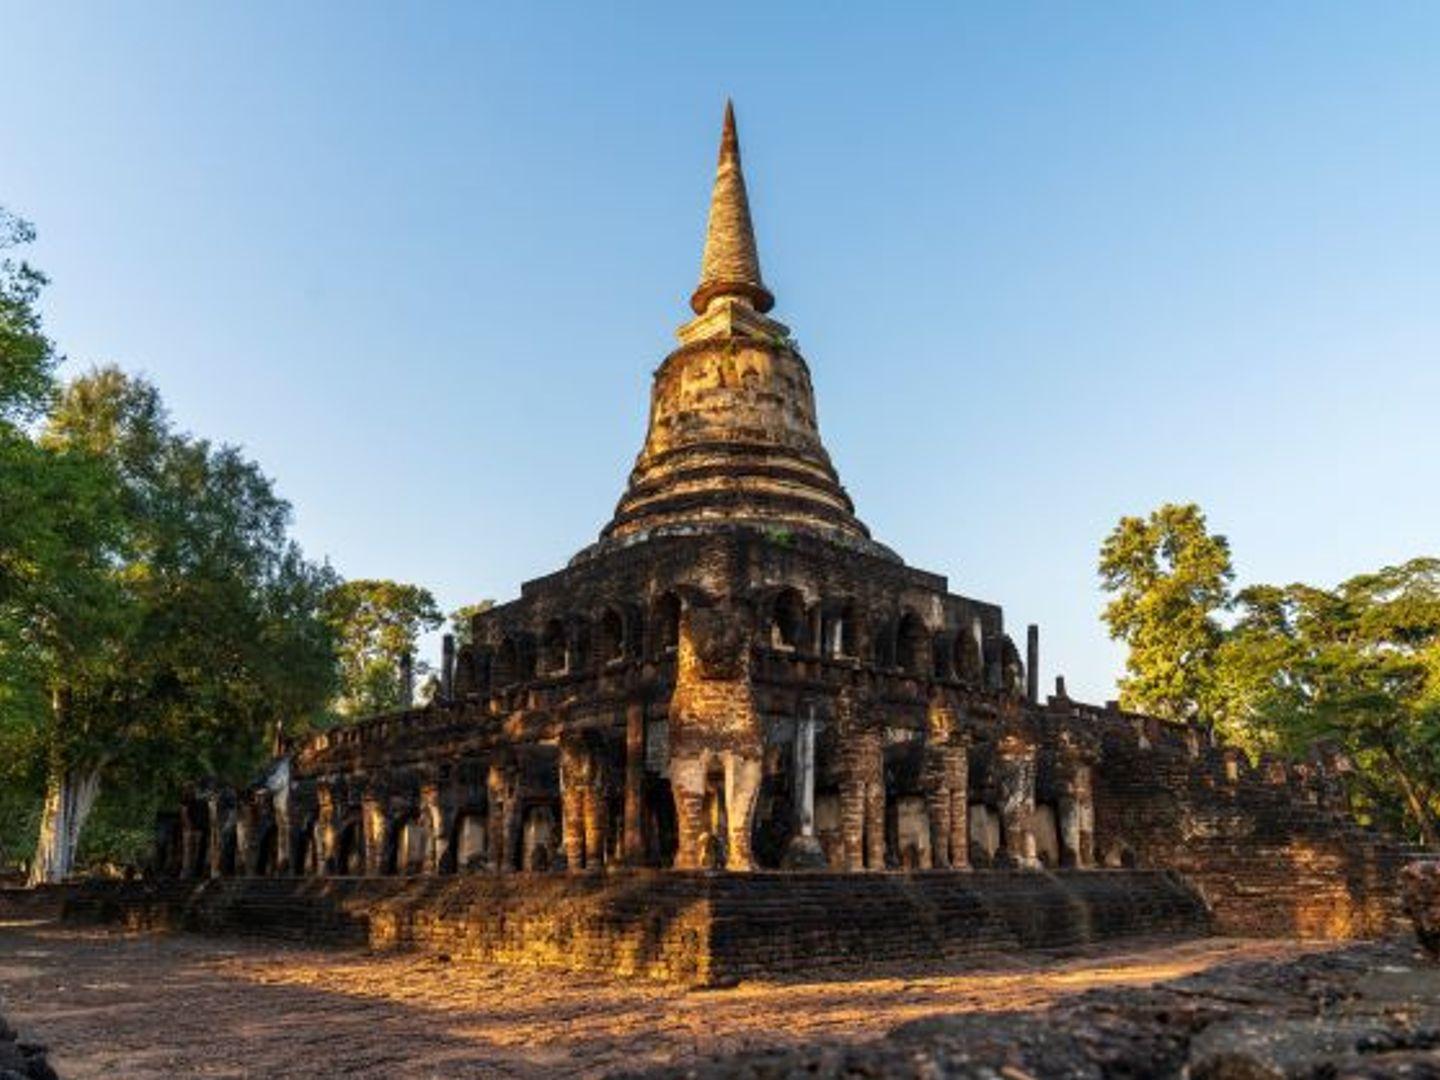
x=70, y=793
x=1418, y=809
x=69, y=797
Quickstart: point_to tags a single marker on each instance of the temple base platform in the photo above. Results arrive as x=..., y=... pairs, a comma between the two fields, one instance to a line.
x=696, y=928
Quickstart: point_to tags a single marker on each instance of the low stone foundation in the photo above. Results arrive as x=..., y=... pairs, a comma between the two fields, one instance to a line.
x=696, y=928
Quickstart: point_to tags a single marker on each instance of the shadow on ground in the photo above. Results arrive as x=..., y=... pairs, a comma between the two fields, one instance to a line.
x=178, y=1005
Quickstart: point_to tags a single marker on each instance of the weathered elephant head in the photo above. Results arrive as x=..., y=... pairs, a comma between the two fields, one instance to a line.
x=719, y=637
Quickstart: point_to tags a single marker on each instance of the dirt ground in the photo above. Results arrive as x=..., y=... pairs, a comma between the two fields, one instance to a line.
x=141, y=1006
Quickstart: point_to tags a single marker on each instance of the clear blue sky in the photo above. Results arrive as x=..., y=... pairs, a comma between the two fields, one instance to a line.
x=1049, y=263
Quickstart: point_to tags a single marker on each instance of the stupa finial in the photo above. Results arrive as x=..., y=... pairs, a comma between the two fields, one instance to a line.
x=731, y=264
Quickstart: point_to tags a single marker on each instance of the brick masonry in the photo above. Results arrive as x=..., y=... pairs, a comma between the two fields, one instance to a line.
x=696, y=928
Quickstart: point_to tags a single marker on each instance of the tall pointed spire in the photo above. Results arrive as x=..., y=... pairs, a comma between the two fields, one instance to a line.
x=731, y=265
x=732, y=441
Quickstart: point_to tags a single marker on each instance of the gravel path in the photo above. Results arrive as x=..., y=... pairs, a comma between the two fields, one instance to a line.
x=142, y=1006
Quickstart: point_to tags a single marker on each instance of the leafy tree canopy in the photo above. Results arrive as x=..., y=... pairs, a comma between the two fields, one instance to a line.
x=223, y=635
x=163, y=617
x=376, y=623
x=27, y=357
x=1169, y=578
x=1356, y=667
x=155, y=617
x=460, y=620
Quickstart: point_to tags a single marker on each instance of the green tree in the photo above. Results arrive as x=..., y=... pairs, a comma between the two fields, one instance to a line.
x=60, y=533
x=1169, y=577
x=376, y=623
x=460, y=620
x=61, y=604
x=205, y=627
x=27, y=356
x=1357, y=666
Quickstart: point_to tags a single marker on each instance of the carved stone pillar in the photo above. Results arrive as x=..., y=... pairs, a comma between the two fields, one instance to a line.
x=634, y=783
x=957, y=771
x=875, y=823
x=862, y=801
x=1069, y=829
x=375, y=823
x=1085, y=807
x=572, y=804
x=504, y=818
x=432, y=812
x=596, y=820
x=938, y=807
x=852, y=822
x=947, y=802
x=1015, y=767
x=325, y=830
x=585, y=825
x=512, y=826
x=1077, y=818
x=447, y=668
x=804, y=851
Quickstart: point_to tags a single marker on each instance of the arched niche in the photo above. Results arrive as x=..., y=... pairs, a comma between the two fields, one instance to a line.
x=787, y=623
x=665, y=623
x=610, y=636
x=554, y=649
x=913, y=653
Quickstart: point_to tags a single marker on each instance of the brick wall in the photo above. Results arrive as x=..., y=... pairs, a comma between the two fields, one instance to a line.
x=694, y=928
x=1265, y=855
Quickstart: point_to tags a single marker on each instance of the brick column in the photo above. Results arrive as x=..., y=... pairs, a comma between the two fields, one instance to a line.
x=875, y=823
x=432, y=812
x=634, y=783
x=804, y=851
x=1069, y=828
x=324, y=830
x=375, y=823
x=946, y=784
x=572, y=805
x=597, y=824
x=938, y=805
x=502, y=819
x=957, y=771
x=852, y=822
x=1085, y=808
x=862, y=802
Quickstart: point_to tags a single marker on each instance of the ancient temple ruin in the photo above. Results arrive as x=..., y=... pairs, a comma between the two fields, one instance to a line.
x=737, y=677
